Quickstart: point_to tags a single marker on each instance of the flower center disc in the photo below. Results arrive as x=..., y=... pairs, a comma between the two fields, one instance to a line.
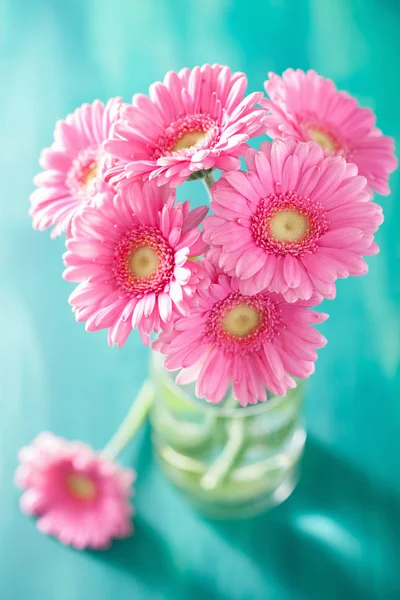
x=84, y=174
x=81, y=487
x=241, y=320
x=90, y=176
x=188, y=140
x=288, y=226
x=322, y=139
x=143, y=262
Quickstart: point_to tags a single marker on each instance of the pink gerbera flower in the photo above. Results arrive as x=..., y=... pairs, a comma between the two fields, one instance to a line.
x=249, y=342
x=197, y=119
x=78, y=496
x=73, y=166
x=306, y=106
x=294, y=223
x=131, y=257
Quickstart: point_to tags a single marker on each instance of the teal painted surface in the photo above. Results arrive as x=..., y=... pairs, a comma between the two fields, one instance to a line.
x=338, y=535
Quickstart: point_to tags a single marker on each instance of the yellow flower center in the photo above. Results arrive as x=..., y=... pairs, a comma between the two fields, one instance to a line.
x=323, y=139
x=143, y=262
x=288, y=226
x=188, y=140
x=81, y=486
x=241, y=320
x=90, y=176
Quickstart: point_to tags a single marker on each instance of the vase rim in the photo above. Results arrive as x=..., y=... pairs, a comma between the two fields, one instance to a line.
x=221, y=410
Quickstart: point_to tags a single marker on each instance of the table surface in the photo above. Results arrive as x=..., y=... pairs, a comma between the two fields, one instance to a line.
x=338, y=535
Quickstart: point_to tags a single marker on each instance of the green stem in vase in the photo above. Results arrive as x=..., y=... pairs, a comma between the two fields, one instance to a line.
x=132, y=422
x=226, y=461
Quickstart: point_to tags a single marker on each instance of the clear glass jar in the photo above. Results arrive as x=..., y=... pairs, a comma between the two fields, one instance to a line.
x=230, y=461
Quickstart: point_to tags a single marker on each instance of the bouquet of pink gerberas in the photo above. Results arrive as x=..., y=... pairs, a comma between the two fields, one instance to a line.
x=229, y=295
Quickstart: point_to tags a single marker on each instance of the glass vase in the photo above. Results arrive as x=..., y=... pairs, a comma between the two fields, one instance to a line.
x=229, y=461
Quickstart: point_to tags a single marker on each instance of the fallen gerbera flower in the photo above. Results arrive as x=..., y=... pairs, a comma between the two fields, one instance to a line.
x=73, y=166
x=306, y=106
x=78, y=496
x=294, y=223
x=249, y=342
x=131, y=256
x=196, y=120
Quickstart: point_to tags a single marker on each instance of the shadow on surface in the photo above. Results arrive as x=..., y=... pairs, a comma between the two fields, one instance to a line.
x=147, y=557
x=338, y=536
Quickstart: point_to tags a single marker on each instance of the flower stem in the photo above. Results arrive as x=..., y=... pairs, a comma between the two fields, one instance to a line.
x=132, y=423
x=208, y=179
x=222, y=466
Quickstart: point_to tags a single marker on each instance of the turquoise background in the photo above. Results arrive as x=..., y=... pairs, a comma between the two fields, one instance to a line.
x=338, y=536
